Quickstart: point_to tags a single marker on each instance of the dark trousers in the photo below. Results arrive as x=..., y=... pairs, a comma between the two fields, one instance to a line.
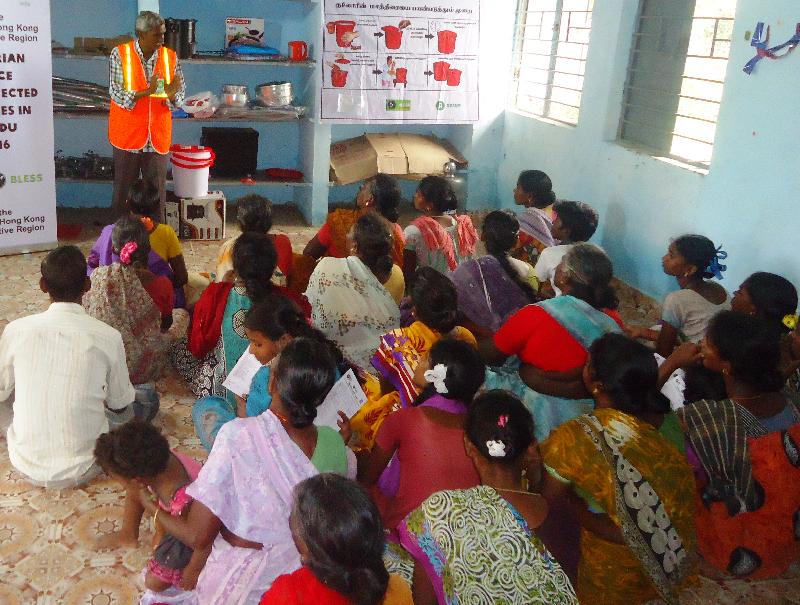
x=128, y=166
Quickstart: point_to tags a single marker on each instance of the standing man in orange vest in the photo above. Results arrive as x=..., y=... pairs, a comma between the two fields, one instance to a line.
x=145, y=82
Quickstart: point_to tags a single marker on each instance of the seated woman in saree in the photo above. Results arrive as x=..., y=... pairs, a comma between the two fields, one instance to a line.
x=349, y=302
x=435, y=309
x=216, y=337
x=495, y=286
x=551, y=339
x=130, y=298
x=243, y=494
x=165, y=257
x=745, y=452
x=254, y=213
x=269, y=326
x=630, y=484
x=478, y=545
x=426, y=440
x=378, y=195
x=338, y=531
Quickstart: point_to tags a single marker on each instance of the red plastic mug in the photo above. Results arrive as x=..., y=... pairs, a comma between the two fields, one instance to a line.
x=339, y=78
x=340, y=28
x=298, y=50
x=447, y=41
x=401, y=73
x=453, y=77
x=393, y=36
x=440, y=70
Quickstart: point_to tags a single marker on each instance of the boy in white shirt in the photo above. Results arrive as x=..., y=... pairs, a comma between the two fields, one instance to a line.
x=68, y=375
x=575, y=222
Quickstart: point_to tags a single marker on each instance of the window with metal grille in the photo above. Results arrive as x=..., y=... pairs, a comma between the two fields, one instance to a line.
x=675, y=77
x=550, y=48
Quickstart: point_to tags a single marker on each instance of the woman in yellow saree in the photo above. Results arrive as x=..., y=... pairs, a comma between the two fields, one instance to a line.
x=634, y=485
x=435, y=310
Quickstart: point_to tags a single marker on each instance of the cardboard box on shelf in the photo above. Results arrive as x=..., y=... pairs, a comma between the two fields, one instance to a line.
x=98, y=46
x=201, y=218
x=244, y=30
x=393, y=153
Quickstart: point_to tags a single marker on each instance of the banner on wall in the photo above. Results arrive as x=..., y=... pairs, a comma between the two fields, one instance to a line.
x=415, y=61
x=27, y=172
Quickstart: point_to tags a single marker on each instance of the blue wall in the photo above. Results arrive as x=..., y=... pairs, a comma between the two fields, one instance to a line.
x=748, y=201
x=285, y=144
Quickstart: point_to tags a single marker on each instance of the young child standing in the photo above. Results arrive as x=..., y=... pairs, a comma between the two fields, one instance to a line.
x=439, y=238
x=534, y=191
x=692, y=260
x=138, y=456
x=575, y=222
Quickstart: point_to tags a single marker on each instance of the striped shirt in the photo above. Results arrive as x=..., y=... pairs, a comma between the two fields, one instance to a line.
x=125, y=98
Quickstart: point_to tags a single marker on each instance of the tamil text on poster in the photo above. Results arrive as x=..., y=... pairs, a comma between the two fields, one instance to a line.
x=410, y=62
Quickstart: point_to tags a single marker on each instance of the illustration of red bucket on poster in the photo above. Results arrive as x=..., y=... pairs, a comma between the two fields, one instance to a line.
x=415, y=65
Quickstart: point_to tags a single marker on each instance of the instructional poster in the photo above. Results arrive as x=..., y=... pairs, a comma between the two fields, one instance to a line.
x=27, y=173
x=410, y=62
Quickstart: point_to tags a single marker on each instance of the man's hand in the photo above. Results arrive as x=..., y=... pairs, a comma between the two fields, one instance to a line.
x=150, y=90
x=174, y=87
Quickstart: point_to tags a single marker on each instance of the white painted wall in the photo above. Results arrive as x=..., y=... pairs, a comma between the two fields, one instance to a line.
x=750, y=199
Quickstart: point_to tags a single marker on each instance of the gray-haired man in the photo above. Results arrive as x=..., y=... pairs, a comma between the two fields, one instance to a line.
x=145, y=81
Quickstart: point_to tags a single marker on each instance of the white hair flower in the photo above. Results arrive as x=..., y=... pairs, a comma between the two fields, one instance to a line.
x=497, y=449
x=437, y=376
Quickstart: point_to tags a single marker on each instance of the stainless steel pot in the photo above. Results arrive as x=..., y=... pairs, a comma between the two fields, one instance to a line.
x=234, y=95
x=274, y=94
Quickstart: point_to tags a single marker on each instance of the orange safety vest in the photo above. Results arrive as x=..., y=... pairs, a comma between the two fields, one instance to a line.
x=151, y=116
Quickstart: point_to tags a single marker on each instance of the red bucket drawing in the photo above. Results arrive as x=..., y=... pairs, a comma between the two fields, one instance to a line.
x=401, y=73
x=454, y=77
x=340, y=28
x=339, y=78
x=440, y=69
x=447, y=41
x=393, y=36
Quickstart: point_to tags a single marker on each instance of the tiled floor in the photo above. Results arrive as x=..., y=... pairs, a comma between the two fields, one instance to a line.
x=46, y=538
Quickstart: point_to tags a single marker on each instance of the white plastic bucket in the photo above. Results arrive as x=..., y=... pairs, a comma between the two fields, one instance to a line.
x=190, y=170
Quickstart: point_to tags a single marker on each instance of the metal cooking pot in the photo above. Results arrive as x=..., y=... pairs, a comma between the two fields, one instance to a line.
x=234, y=99
x=234, y=88
x=274, y=94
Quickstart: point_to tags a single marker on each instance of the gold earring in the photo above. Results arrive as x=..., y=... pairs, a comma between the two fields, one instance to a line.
x=595, y=391
x=725, y=371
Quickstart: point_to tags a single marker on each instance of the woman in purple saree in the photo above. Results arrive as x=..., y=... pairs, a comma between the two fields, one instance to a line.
x=493, y=287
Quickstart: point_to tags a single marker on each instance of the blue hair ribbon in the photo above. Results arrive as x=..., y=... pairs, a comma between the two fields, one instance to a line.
x=715, y=267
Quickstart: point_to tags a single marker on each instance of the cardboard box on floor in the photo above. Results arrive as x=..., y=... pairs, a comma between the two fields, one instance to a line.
x=409, y=155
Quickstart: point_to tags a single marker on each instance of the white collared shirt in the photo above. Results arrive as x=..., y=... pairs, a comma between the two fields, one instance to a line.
x=62, y=365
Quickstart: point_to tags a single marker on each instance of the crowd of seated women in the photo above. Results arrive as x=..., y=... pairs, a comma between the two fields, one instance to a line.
x=518, y=442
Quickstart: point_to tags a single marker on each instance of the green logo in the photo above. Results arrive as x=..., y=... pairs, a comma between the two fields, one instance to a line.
x=398, y=105
x=439, y=105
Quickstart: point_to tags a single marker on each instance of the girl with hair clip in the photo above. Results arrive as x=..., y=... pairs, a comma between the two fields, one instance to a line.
x=130, y=298
x=350, y=299
x=744, y=450
x=435, y=312
x=534, y=191
x=440, y=238
x=478, y=545
x=165, y=256
x=138, y=456
x=243, y=494
x=337, y=530
x=380, y=196
x=424, y=440
x=216, y=339
x=628, y=482
x=693, y=260
x=495, y=286
x=269, y=326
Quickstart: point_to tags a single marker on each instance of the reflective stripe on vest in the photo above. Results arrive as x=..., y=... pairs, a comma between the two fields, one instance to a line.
x=150, y=117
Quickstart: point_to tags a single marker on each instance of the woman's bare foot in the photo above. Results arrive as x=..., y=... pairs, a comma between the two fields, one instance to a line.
x=116, y=539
